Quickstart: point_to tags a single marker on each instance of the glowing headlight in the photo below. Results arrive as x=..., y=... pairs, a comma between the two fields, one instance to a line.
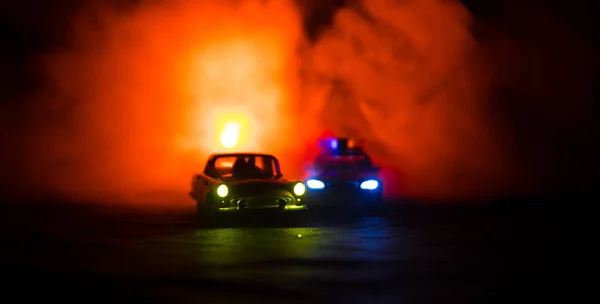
x=369, y=184
x=299, y=189
x=315, y=184
x=222, y=191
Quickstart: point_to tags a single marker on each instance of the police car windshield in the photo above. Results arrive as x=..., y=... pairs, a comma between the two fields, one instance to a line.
x=239, y=167
x=343, y=161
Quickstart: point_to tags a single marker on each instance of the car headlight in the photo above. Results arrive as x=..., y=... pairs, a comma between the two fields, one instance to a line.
x=315, y=184
x=222, y=191
x=369, y=184
x=299, y=189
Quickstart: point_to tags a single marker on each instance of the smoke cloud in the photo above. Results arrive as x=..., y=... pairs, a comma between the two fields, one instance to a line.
x=134, y=106
x=406, y=76
x=455, y=107
x=451, y=107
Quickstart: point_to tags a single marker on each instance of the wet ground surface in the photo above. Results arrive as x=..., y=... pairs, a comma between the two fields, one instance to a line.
x=405, y=254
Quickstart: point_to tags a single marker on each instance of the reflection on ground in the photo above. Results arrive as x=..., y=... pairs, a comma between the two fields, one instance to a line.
x=423, y=255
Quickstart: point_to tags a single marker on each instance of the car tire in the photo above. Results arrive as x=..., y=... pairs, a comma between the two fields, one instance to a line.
x=205, y=213
x=202, y=215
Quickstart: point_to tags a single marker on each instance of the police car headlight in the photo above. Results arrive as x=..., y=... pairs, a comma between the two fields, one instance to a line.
x=299, y=189
x=369, y=184
x=315, y=184
x=222, y=191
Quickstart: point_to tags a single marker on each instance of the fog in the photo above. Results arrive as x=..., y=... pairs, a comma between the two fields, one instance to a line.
x=140, y=96
x=406, y=76
x=133, y=107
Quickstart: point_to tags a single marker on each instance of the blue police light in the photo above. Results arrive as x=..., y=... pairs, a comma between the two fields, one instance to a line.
x=369, y=184
x=329, y=144
x=315, y=184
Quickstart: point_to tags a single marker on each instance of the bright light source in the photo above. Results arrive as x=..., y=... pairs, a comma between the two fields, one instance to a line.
x=315, y=184
x=299, y=189
x=333, y=143
x=230, y=134
x=369, y=184
x=222, y=191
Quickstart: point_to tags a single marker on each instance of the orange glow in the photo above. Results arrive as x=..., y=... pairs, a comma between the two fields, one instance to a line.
x=409, y=80
x=155, y=89
x=143, y=95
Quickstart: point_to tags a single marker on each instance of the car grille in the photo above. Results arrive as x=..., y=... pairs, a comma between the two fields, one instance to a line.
x=265, y=202
x=342, y=185
x=261, y=201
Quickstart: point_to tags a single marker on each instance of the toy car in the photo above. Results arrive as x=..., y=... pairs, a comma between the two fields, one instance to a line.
x=343, y=173
x=237, y=182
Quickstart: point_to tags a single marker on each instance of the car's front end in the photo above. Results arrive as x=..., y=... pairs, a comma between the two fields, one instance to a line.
x=343, y=176
x=344, y=192
x=259, y=195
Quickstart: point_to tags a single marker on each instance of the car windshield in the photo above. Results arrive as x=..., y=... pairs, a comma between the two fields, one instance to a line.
x=343, y=161
x=236, y=167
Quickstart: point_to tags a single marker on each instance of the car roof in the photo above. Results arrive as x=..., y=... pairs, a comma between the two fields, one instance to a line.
x=214, y=155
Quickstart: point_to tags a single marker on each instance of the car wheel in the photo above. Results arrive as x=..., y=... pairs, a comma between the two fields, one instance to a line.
x=205, y=213
x=199, y=207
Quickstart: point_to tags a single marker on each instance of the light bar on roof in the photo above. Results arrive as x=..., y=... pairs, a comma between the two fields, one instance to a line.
x=341, y=143
x=356, y=143
x=330, y=143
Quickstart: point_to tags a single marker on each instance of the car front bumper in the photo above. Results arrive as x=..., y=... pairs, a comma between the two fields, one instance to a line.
x=256, y=203
x=237, y=209
x=343, y=197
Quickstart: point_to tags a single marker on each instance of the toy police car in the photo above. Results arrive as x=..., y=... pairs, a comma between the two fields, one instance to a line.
x=343, y=173
x=237, y=182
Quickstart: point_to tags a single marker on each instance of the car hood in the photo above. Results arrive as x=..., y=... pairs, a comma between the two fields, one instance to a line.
x=256, y=182
x=259, y=186
x=346, y=175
